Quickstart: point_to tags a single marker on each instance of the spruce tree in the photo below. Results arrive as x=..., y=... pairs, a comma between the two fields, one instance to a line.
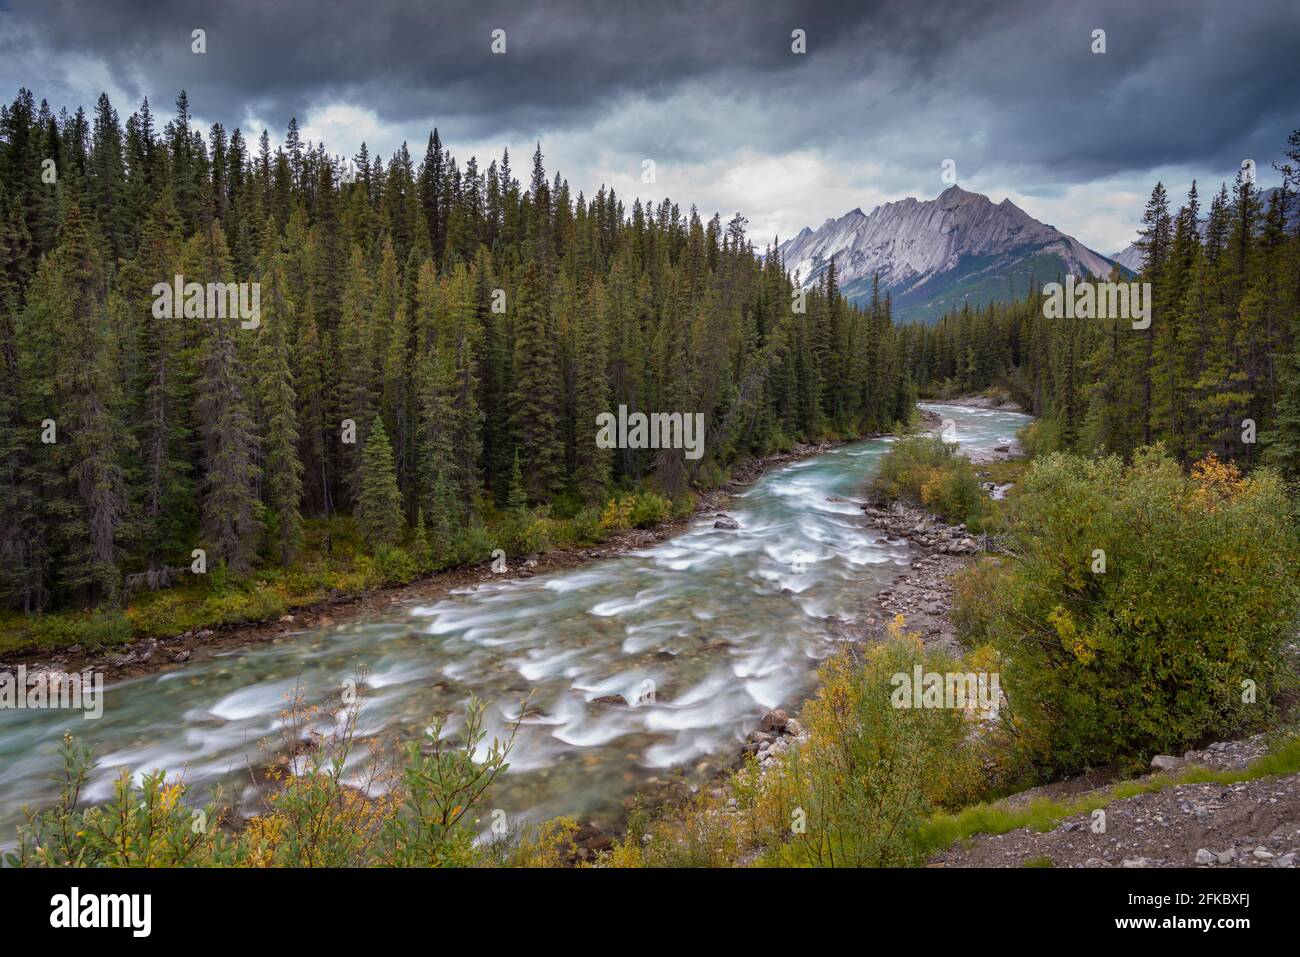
x=228, y=497
x=592, y=463
x=379, y=506
x=282, y=470
x=538, y=393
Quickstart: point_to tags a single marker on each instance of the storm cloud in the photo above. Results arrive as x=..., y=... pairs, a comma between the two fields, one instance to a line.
x=1011, y=92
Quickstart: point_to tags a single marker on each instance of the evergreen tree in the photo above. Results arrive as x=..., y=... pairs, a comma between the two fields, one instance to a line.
x=379, y=506
x=228, y=498
x=593, y=463
x=281, y=467
x=538, y=396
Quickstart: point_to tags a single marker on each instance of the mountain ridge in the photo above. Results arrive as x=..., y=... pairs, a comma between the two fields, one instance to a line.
x=936, y=254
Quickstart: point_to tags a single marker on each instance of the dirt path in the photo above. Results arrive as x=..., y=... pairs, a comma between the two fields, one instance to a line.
x=1249, y=824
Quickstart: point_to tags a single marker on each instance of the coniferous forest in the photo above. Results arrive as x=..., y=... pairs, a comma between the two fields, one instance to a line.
x=435, y=342
x=1216, y=371
x=436, y=339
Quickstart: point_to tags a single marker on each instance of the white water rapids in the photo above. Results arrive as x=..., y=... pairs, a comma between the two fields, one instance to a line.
x=723, y=625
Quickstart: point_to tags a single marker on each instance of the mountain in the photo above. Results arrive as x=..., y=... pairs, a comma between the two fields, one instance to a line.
x=1130, y=257
x=932, y=255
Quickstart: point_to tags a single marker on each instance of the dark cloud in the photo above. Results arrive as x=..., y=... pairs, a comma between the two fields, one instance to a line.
x=1007, y=87
x=412, y=58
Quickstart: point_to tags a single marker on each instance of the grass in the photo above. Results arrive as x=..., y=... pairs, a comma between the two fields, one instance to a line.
x=1003, y=471
x=1044, y=814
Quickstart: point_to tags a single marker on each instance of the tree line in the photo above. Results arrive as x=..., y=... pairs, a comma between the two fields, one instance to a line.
x=434, y=344
x=1216, y=371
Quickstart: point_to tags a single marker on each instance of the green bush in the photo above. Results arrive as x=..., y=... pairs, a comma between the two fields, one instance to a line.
x=871, y=772
x=1140, y=608
x=650, y=509
x=928, y=471
x=419, y=810
x=1040, y=437
x=92, y=630
x=526, y=534
x=395, y=566
x=854, y=793
x=474, y=545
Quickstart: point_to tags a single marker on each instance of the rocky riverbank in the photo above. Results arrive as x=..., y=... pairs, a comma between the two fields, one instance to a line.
x=923, y=593
x=146, y=655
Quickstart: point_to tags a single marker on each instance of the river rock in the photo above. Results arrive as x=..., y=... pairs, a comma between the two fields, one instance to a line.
x=727, y=522
x=774, y=721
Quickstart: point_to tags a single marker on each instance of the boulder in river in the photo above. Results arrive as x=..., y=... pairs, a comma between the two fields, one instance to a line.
x=774, y=721
x=727, y=522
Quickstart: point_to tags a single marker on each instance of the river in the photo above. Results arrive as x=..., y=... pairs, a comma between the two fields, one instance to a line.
x=719, y=625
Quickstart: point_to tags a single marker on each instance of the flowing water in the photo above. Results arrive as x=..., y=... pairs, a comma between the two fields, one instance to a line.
x=699, y=635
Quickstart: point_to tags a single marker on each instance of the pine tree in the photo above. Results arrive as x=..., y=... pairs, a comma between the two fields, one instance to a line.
x=281, y=467
x=357, y=372
x=228, y=497
x=593, y=463
x=160, y=381
x=517, y=499
x=538, y=391
x=379, y=506
x=69, y=382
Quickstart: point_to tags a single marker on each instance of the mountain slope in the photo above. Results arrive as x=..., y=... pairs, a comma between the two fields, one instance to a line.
x=932, y=255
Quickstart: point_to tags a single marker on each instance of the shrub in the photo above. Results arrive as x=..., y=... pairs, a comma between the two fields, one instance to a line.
x=527, y=534
x=473, y=545
x=582, y=529
x=953, y=492
x=142, y=825
x=395, y=566
x=926, y=470
x=639, y=510
x=1040, y=437
x=1199, y=594
x=855, y=793
x=650, y=509
x=617, y=514
x=871, y=773
x=417, y=812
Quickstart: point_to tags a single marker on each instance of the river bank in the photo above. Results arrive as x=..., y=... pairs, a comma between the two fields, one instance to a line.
x=923, y=594
x=147, y=655
x=724, y=621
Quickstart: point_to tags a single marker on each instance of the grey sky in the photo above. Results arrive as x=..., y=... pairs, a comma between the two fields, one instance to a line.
x=712, y=92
